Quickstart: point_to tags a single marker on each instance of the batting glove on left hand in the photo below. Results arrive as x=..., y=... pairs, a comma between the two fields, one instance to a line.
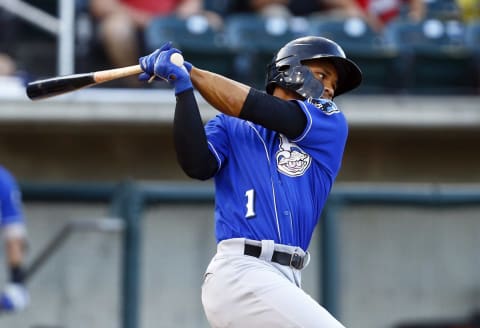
x=158, y=63
x=146, y=62
x=15, y=297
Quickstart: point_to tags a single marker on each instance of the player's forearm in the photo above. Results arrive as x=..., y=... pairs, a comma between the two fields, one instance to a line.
x=15, y=255
x=190, y=139
x=226, y=95
x=15, y=249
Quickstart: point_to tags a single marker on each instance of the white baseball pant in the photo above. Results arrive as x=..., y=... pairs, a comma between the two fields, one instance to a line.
x=247, y=292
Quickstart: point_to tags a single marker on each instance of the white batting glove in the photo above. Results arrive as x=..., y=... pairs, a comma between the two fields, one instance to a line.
x=14, y=297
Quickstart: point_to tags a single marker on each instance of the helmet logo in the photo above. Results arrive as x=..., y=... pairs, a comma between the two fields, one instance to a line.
x=291, y=159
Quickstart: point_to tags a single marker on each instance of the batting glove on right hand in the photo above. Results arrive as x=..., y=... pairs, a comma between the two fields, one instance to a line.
x=159, y=64
x=188, y=66
x=146, y=62
x=15, y=297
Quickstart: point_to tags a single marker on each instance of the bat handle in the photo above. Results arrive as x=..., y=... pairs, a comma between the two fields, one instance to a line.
x=176, y=59
x=170, y=77
x=116, y=73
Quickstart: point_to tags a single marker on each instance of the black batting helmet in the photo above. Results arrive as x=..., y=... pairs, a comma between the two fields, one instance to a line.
x=287, y=70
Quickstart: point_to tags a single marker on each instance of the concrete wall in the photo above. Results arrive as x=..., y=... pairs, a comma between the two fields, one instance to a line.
x=403, y=264
x=396, y=263
x=80, y=285
x=107, y=135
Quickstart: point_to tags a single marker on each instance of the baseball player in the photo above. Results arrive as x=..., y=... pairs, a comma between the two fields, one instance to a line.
x=274, y=157
x=15, y=296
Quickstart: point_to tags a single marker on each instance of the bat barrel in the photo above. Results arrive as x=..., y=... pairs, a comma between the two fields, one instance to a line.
x=59, y=85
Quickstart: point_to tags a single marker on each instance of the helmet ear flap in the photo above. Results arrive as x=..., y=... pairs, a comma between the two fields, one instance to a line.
x=311, y=87
x=297, y=78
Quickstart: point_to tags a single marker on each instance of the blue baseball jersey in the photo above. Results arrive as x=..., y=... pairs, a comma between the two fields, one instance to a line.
x=10, y=200
x=270, y=187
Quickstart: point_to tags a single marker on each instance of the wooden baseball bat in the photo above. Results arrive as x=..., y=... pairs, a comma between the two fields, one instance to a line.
x=59, y=85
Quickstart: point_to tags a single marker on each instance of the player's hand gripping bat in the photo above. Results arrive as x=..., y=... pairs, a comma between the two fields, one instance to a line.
x=59, y=85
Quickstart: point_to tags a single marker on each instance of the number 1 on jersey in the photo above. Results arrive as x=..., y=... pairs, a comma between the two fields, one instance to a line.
x=250, y=194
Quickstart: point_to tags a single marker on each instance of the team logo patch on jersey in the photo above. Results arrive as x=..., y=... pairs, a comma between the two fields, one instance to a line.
x=325, y=106
x=291, y=159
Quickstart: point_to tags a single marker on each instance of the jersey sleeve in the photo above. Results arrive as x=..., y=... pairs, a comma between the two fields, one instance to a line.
x=217, y=138
x=325, y=134
x=10, y=201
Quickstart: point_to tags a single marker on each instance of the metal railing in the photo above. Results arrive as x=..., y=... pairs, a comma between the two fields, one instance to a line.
x=129, y=199
x=383, y=194
x=63, y=27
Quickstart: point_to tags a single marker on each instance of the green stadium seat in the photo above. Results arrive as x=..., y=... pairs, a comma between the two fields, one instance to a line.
x=472, y=40
x=439, y=62
x=472, y=34
x=255, y=40
x=199, y=41
x=379, y=61
x=442, y=9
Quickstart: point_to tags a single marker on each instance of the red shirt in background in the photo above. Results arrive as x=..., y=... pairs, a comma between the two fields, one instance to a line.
x=385, y=10
x=154, y=6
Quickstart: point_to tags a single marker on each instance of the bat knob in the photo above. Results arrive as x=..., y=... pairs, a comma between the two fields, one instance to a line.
x=177, y=59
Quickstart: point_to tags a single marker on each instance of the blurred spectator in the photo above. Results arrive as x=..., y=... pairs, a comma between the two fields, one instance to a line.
x=469, y=10
x=14, y=296
x=8, y=37
x=379, y=13
x=12, y=79
x=376, y=13
x=7, y=65
x=121, y=24
x=294, y=8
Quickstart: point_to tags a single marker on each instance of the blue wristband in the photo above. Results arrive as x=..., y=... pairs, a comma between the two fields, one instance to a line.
x=182, y=84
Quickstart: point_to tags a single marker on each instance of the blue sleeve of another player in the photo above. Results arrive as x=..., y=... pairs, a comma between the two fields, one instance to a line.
x=10, y=200
x=326, y=133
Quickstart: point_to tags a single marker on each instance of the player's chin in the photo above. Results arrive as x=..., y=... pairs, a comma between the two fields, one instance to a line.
x=327, y=94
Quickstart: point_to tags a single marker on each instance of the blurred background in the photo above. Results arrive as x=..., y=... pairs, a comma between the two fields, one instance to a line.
x=120, y=237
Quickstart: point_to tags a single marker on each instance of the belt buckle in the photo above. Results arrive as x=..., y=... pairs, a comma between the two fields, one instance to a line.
x=296, y=261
